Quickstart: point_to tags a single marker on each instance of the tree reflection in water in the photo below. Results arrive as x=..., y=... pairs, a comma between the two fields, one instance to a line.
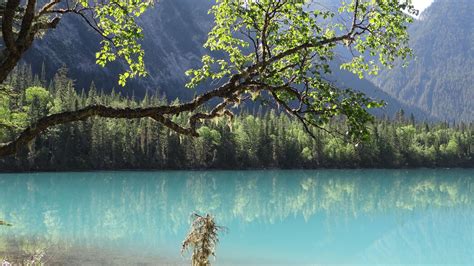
x=144, y=210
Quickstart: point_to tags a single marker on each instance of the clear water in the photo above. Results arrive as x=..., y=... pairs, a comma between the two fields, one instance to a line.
x=355, y=217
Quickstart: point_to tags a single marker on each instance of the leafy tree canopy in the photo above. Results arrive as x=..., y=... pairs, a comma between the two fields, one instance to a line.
x=114, y=20
x=273, y=51
x=284, y=47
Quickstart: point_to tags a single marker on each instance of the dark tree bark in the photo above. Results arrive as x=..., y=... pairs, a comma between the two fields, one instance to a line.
x=17, y=43
x=18, y=39
x=161, y=114
x=230, y=92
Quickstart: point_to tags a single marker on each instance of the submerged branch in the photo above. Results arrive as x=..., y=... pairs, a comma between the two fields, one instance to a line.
x=5, y=223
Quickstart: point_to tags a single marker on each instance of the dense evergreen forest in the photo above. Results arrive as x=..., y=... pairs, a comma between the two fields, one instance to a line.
x=253, y=139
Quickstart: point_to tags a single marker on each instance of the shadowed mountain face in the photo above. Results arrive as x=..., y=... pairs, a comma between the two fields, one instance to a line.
x=175, y=31
x=441, y=80
x=346, y=79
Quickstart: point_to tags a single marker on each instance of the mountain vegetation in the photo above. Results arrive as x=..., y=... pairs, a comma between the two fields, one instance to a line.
x=276, y=52
x=23, y=22
x=252, y=139
x=175, y=30
x=437, y=85
x=441, y=79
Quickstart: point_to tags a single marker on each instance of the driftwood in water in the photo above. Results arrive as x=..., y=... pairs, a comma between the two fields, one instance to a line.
x=202, y=239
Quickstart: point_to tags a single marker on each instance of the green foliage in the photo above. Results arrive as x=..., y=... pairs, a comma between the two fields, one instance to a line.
x=388, y=39
x=37, y=92
x=117, y=22
x=251, y=140
x=210, y=135
x=291, y=43
x=12, y=115
x=440, y=80
x=273, y=51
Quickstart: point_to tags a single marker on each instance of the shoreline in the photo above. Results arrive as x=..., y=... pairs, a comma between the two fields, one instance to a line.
x=228, y=170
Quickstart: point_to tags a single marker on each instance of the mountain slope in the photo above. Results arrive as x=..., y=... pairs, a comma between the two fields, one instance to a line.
x=174, y=33
x=174, y=30
x=441, y=79
x=346, y=79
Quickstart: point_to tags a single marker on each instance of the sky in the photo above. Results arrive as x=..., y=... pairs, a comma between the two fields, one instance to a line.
x=422, y=4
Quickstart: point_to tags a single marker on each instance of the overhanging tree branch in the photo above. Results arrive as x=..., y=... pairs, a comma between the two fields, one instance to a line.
x=22, y=22
x=290, y=67
x=229, y=92
x=158, y=113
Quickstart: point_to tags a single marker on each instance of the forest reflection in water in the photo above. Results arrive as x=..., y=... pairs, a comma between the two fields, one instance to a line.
x=326, y=216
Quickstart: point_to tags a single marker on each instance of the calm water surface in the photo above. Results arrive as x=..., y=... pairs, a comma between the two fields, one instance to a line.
x=322, y=217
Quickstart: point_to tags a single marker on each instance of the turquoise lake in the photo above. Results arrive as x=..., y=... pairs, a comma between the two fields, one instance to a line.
x=319, y=217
